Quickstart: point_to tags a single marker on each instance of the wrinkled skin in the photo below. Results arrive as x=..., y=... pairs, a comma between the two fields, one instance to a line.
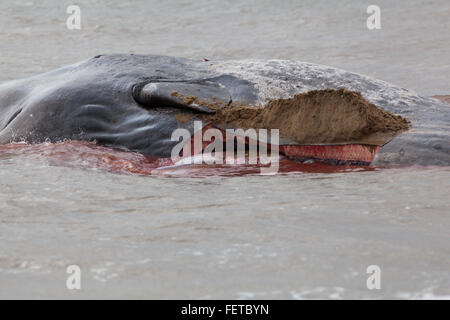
x=96, y=100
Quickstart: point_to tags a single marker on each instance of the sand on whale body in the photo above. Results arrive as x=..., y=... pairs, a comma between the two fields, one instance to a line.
x=314, y=117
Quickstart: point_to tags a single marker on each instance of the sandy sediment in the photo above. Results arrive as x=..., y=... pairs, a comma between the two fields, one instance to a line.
x=318, y=116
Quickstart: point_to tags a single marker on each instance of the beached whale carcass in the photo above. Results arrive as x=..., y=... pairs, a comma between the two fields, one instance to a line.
x=133, y=102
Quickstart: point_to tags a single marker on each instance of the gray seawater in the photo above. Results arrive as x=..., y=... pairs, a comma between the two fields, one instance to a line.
x=309, y=235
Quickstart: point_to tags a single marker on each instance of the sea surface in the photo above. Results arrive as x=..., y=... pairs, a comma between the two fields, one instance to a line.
x=299, y=235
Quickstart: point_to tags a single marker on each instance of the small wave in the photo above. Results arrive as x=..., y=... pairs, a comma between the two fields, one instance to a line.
x=89, y=155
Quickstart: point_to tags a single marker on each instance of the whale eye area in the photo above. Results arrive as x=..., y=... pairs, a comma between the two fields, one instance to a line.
x=196, y=96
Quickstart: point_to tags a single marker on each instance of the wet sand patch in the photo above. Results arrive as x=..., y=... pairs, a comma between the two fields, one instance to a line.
x=314, y=117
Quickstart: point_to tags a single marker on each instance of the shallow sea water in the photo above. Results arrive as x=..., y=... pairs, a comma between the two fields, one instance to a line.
x=295, y=236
